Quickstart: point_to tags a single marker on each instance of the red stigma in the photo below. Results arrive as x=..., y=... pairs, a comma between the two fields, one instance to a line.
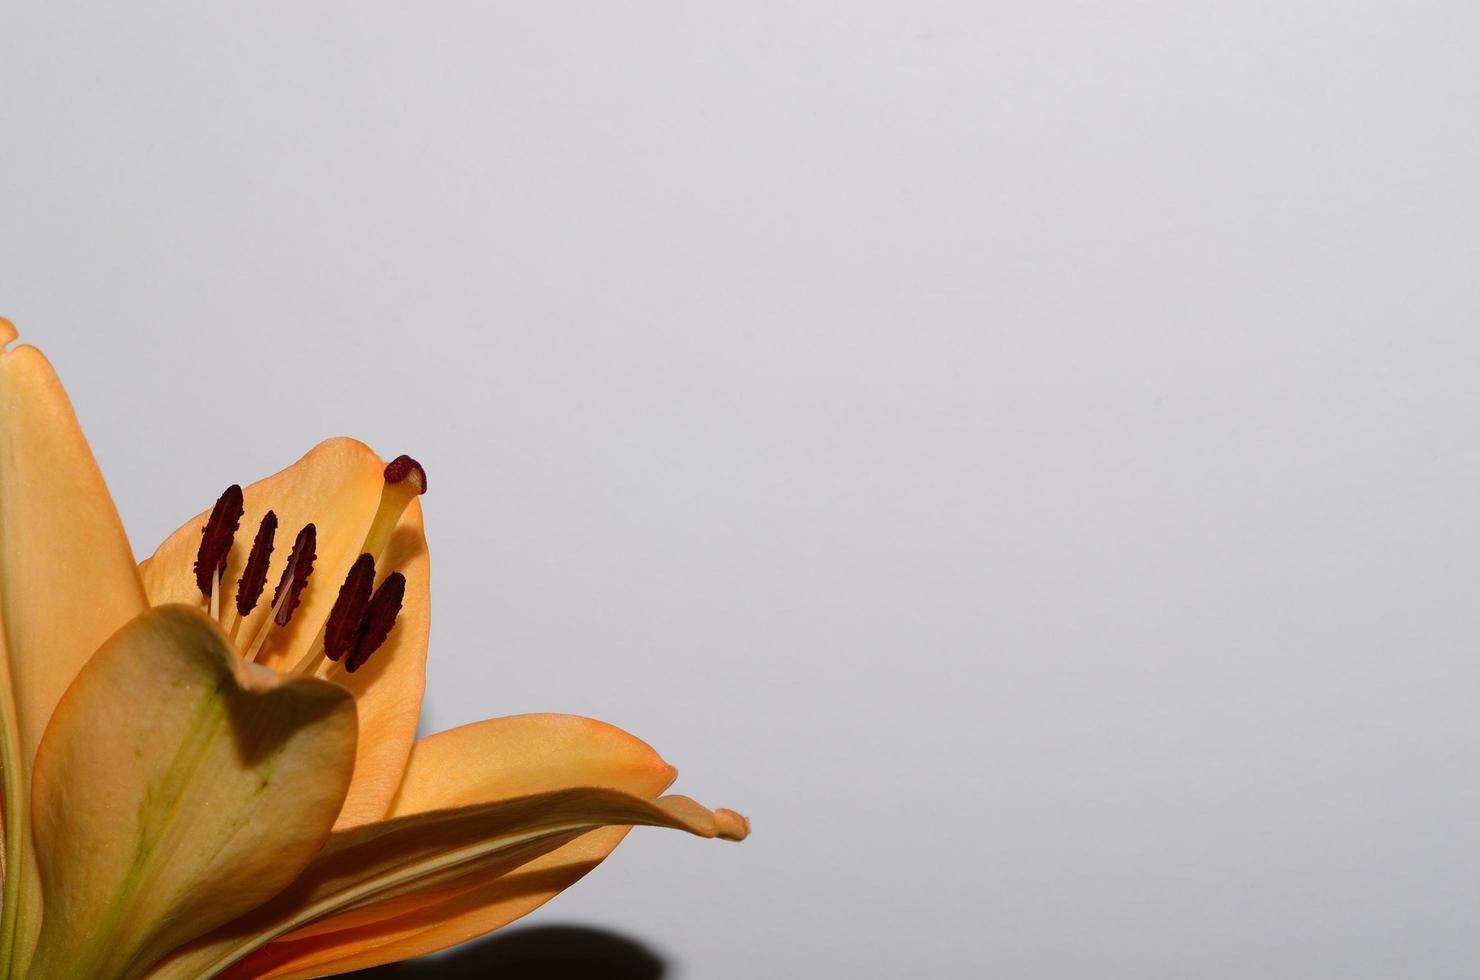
x=216, y=538
x=380, y=616
x=402, y=467
x=254, y=576
x=343, y=627
x=295, y=576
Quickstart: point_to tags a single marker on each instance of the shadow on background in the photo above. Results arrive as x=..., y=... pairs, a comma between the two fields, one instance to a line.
x=536, y=953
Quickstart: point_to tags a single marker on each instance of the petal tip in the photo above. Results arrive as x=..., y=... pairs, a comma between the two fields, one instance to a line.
x=730, y=825
x=8, y=333
x=700, y=820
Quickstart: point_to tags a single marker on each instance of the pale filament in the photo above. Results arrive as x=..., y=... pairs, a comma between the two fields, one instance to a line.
x=260, y=640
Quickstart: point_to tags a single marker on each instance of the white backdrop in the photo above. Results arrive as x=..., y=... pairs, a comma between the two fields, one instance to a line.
x=1023, y=454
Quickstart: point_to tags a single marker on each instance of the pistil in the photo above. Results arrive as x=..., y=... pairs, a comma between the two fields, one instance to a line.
x=404, y=481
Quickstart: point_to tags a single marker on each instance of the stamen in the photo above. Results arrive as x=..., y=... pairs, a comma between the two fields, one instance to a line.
x=380, y=616
x=343, y=627
x=404, y=480
x=289, y=588
x=216, y=538
x=295, y=575
x=254, y=576
x=362, y=617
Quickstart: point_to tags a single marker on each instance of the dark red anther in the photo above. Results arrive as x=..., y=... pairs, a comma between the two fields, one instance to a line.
x=295, y=575
x=380, y=616
x=216, y=538
x=343, y=627
x=254, y=576
x=402, y=467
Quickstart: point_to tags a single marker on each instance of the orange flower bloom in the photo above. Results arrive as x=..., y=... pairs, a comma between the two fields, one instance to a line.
x=210, y=764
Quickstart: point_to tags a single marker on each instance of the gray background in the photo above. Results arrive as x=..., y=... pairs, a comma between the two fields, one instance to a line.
x=1025, y=455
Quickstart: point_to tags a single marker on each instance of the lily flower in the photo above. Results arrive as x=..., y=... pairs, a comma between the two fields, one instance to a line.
x=210, y=763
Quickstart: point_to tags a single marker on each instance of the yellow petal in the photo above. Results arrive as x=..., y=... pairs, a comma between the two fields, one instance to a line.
x=67, y=581
x=336, y=486
x=382, y=862
x=177, y=788
x=492, y=760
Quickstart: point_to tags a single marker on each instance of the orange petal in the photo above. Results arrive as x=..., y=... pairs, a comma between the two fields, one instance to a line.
x=65, y=562
x=504, y=758
x=176, y=789
x=67, y=581
x=381, y=862
x=492, y=760
x=337, y=486
x=439, y=919
x=509, y=758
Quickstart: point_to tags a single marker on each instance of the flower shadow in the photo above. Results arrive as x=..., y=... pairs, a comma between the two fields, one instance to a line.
x=555, y=952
